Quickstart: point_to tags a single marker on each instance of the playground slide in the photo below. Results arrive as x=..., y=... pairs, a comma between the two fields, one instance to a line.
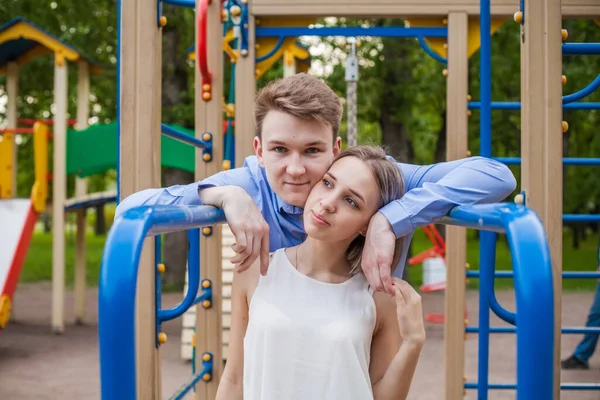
x=17, y=220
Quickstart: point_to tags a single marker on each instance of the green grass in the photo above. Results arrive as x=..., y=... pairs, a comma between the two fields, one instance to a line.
x=38, y=263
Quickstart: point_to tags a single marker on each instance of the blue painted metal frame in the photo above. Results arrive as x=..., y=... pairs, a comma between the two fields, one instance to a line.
x=181, y=3
x=118, y=282
x=533, y=288
x=564, y=386
x=351, y=31
x=580, y=49
x=565, y=275
x=566, y=161
x=431, y=53
x=589, y=89
x=513, y=105
x=509, y=329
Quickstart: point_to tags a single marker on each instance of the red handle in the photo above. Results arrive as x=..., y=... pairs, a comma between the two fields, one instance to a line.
x=201, y=55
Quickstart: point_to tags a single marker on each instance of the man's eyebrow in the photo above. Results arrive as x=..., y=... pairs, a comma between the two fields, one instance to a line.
x=351, y=191
x=314, y=143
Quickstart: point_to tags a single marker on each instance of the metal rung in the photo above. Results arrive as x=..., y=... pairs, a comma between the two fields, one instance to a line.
x=511, y=386
x=509, y=329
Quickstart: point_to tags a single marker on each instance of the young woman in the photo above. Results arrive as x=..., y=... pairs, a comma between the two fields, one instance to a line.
x=312, y=328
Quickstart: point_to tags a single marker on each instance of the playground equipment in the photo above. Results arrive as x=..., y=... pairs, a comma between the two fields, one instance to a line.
x=18, y=218
x=20, y=42
x=129, y=351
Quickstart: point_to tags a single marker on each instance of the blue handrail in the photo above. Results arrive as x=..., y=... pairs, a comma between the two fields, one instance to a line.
x=526, y=239
x=118, y=283
x=534, y=289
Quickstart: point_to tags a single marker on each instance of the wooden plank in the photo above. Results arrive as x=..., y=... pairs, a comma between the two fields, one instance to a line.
x=59, y=185
x=405, y=8
x=244, y=97
x=83, y=111
x=12, y=90
x=541, y=137
x=208, y=117
x=456, y=237
x=141, y=57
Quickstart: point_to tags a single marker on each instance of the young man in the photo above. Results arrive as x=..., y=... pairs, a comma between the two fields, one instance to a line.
x=297, y=121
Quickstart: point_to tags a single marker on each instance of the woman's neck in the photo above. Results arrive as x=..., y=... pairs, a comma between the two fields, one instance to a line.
x=321, y=260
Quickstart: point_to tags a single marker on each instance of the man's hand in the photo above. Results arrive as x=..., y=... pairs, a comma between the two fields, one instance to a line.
x=378, y=254
x=246, y=222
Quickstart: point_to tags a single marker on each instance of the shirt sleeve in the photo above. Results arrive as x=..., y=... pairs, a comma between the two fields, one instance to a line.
x=433, y=190
x=188, y=194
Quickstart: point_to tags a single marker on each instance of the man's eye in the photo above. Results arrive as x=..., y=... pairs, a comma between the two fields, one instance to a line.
x=312, y=150
x=279, y=149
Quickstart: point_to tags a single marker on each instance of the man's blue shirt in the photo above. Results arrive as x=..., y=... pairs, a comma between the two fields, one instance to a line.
x=431, y=191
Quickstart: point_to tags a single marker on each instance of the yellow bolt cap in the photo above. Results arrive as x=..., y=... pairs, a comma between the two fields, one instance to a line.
x=206, y=284
x=162, y=338
x=518, y=17
x=565, y=34
x=565, y=126
x=163, y=21
x=206, y=137
x=161, y=268
x=206, y=357
x=206, y=303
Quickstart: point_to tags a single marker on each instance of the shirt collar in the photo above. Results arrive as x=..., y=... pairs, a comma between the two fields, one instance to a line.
x=282, y=206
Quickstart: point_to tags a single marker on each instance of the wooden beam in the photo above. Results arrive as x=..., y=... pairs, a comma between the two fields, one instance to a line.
x=59, y=185
x=244, y=98
x=12, y=90
x=83, y=111
x=209, y=118
x=141, y=57
x=456, y=237
x=405, y=8
x=542, y=137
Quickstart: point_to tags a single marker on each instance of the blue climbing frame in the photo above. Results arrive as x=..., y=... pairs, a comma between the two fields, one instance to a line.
x=487, y=274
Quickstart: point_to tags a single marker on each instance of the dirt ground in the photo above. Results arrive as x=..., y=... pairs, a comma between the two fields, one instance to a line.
x=36, y=364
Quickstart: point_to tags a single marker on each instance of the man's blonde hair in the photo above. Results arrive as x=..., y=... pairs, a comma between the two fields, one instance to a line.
x=302, y=96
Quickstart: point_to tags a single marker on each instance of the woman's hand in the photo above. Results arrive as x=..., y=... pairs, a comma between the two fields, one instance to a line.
x=410, y=313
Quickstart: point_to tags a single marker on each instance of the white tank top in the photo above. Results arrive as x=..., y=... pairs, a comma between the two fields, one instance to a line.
x=308, y=339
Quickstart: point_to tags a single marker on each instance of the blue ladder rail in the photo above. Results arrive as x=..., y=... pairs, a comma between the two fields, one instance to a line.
x=118, y=284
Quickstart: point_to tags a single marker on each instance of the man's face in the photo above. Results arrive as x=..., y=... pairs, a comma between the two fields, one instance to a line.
x=295, y=154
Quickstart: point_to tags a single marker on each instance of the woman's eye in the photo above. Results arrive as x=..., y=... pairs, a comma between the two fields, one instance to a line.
x=351, y=202
x=326, y=183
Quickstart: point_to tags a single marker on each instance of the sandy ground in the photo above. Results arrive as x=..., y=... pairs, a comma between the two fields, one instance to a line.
x=36, y=364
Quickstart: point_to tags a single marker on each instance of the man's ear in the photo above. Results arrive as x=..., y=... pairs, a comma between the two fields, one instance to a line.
x=258, y=150
x=337, y=146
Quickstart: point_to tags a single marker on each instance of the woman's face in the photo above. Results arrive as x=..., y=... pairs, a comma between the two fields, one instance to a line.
x=341, y=205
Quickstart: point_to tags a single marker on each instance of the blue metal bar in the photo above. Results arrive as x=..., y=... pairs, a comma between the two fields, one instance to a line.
x=487, y=259
x=193, y=279
x=500, y=311
x=508, y=329
x=275, y=49
x=581, y=217
x=181, y=3
x=207, y=294
x=512, y=105
x=565, y=275
x=580, y=49
x=431, y=53
x=158, y=286
x=485, y=74
x=118, y=283
x=583, y=92
x=534, y=291
x=351, y=31
x=564, y=386
x=186, y=387
x=118, y=105
x=566, y=161
x=183, y=137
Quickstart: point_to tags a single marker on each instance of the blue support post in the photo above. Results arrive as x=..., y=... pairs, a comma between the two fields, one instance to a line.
x=487, y=257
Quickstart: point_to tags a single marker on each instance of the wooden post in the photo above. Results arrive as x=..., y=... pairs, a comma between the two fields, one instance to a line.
x=141, y=56
x=456, y=237
x=541, y=136
x=209, y=118
x=12, y=90
x=245, y=80
x=59, y=182
x=83, y=95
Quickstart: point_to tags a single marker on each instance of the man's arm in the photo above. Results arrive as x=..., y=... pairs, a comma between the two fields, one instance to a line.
x=188, y=194
x=432, y=191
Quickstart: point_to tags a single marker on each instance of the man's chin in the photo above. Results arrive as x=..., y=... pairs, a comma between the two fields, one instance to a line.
x=294, y=199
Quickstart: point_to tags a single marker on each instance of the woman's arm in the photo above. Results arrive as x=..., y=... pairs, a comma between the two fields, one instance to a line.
x=397, y=342
x=231, y=384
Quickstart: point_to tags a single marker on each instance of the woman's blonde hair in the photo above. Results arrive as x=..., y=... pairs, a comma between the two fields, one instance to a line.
x=391, y=186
